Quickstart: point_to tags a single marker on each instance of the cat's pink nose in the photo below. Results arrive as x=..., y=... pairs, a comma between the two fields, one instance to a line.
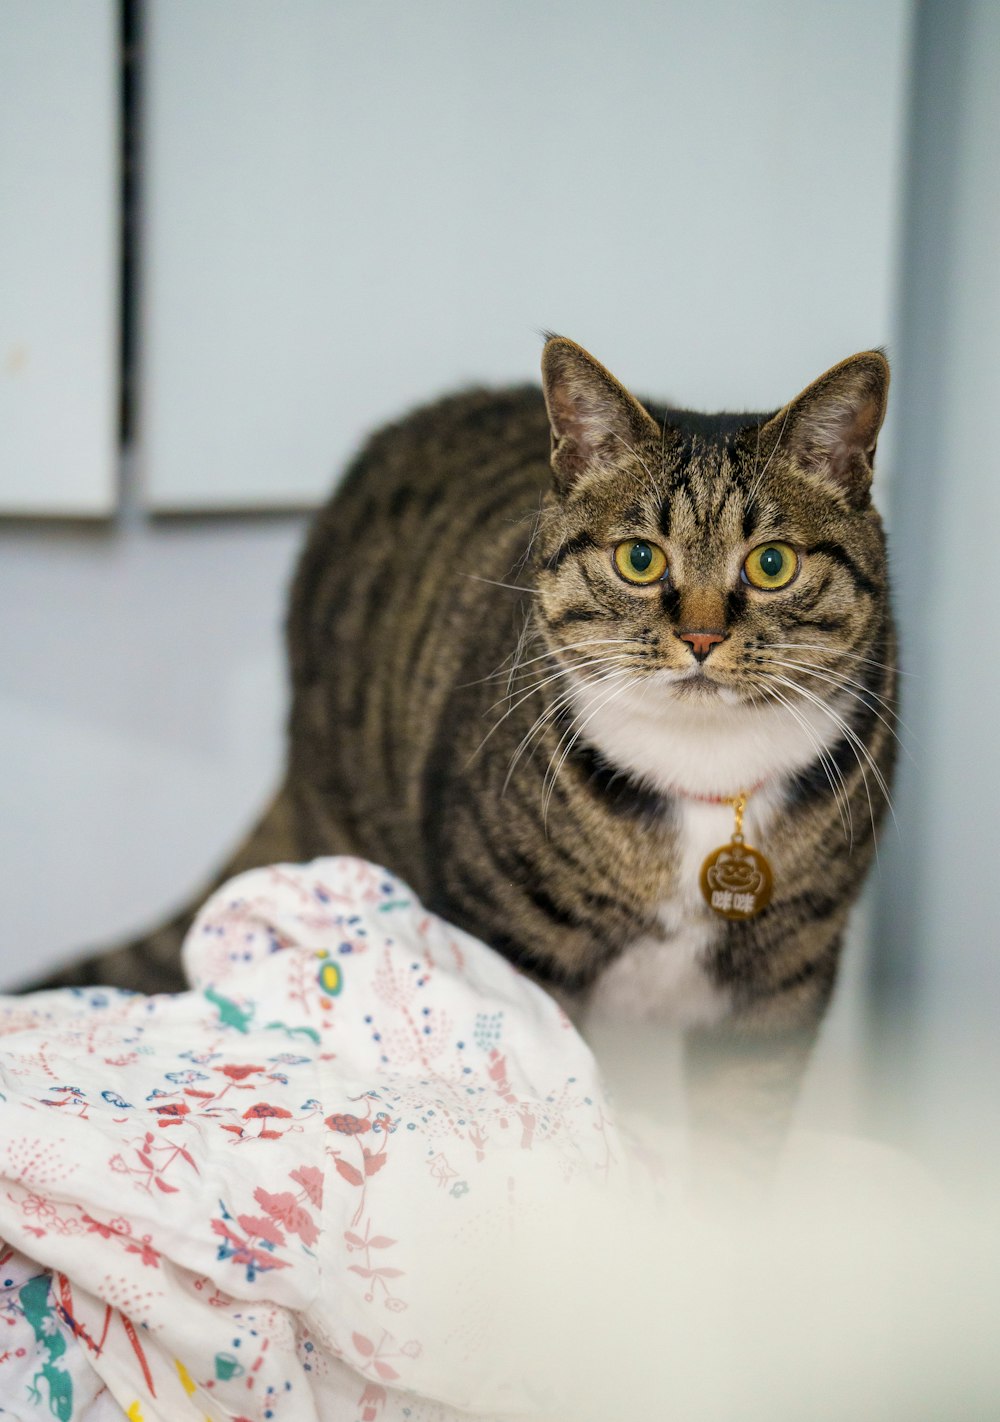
x=702, y=642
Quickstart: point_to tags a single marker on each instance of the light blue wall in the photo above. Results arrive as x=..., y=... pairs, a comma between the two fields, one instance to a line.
x=343, y=217
x=938, y=983
x=141, y=710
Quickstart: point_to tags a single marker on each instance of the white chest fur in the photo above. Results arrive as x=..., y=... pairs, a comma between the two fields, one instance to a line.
x=701, y=744
x=664, y=977
x=692, y=747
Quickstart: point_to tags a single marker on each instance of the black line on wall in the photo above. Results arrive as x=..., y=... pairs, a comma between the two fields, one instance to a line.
x=130, y=71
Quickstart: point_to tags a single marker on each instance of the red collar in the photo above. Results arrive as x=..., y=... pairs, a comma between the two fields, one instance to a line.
x=721, y=799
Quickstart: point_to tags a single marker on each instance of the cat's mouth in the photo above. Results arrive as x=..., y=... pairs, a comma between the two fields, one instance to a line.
x=699, y=684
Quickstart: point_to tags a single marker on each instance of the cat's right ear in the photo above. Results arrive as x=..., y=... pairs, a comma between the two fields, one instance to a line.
x=831, y=429
x=594, y=420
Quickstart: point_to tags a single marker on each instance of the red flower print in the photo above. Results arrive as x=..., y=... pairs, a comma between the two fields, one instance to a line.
x=145, y=1250
x=171, y=1113
x=238, y=1073
x=95, y=1226
x=286, y=1209
x=240, y=1251
x=349, y=1172
x=371, y=1402
x=311, y=1181
x=262, y=1228
x=263, y=1109
x=347, y=1125
x=38, y=1205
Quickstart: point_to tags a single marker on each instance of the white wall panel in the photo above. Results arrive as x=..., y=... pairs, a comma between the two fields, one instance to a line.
x=349, y=208
x=58, y=256
x=142, y=695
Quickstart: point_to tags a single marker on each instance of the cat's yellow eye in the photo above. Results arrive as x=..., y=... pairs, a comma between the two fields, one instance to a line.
x=772, y=565
x=640, y=562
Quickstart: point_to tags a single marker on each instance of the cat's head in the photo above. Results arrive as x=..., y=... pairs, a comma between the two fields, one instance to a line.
x=712, y=569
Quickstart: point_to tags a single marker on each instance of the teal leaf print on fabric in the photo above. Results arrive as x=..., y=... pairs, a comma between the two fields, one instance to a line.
x=230, y=1012
x=34, y=1300
x=309, y=1033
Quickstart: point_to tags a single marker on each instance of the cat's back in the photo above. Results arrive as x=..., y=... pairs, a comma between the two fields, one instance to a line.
x=395, y=599
x=462, y=441
x=451, y=465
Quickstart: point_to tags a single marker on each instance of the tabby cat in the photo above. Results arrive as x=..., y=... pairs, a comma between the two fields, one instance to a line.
x=530, y=685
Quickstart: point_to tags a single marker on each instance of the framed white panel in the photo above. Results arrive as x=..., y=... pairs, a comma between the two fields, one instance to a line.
x=59, y=246
x=352, y=209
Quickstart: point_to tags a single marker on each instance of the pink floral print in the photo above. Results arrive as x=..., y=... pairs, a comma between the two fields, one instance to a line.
x=243, y=1197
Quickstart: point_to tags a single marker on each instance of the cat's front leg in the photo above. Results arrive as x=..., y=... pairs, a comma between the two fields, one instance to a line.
x=742, y=1081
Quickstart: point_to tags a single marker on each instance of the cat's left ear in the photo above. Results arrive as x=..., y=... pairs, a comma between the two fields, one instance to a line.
x=595, y=421
x=831, y=429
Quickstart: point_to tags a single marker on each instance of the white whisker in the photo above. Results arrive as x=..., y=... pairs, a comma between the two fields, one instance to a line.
x=577, y=666
x=522, y=697
x=560, y=703
x=519, y=666
x=514, y=587
x=830, y=766
x=858, y=745
x=557, y=760
x=755, y=487
x=844, y=684
x=836, y=652
x=635, y=453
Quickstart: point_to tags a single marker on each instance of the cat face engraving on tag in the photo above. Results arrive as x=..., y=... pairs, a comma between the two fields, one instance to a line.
x=736, y=881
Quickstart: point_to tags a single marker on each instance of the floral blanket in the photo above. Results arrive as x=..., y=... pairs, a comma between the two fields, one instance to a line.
x=289, y=1192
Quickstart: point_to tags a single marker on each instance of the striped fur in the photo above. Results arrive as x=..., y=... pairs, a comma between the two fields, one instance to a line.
x=481, y=703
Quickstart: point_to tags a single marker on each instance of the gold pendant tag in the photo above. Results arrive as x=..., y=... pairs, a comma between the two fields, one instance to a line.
x=736, y=879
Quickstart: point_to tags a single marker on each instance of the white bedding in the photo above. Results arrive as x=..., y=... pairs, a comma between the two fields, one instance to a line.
x=365, y=1172
x=288, y=1193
